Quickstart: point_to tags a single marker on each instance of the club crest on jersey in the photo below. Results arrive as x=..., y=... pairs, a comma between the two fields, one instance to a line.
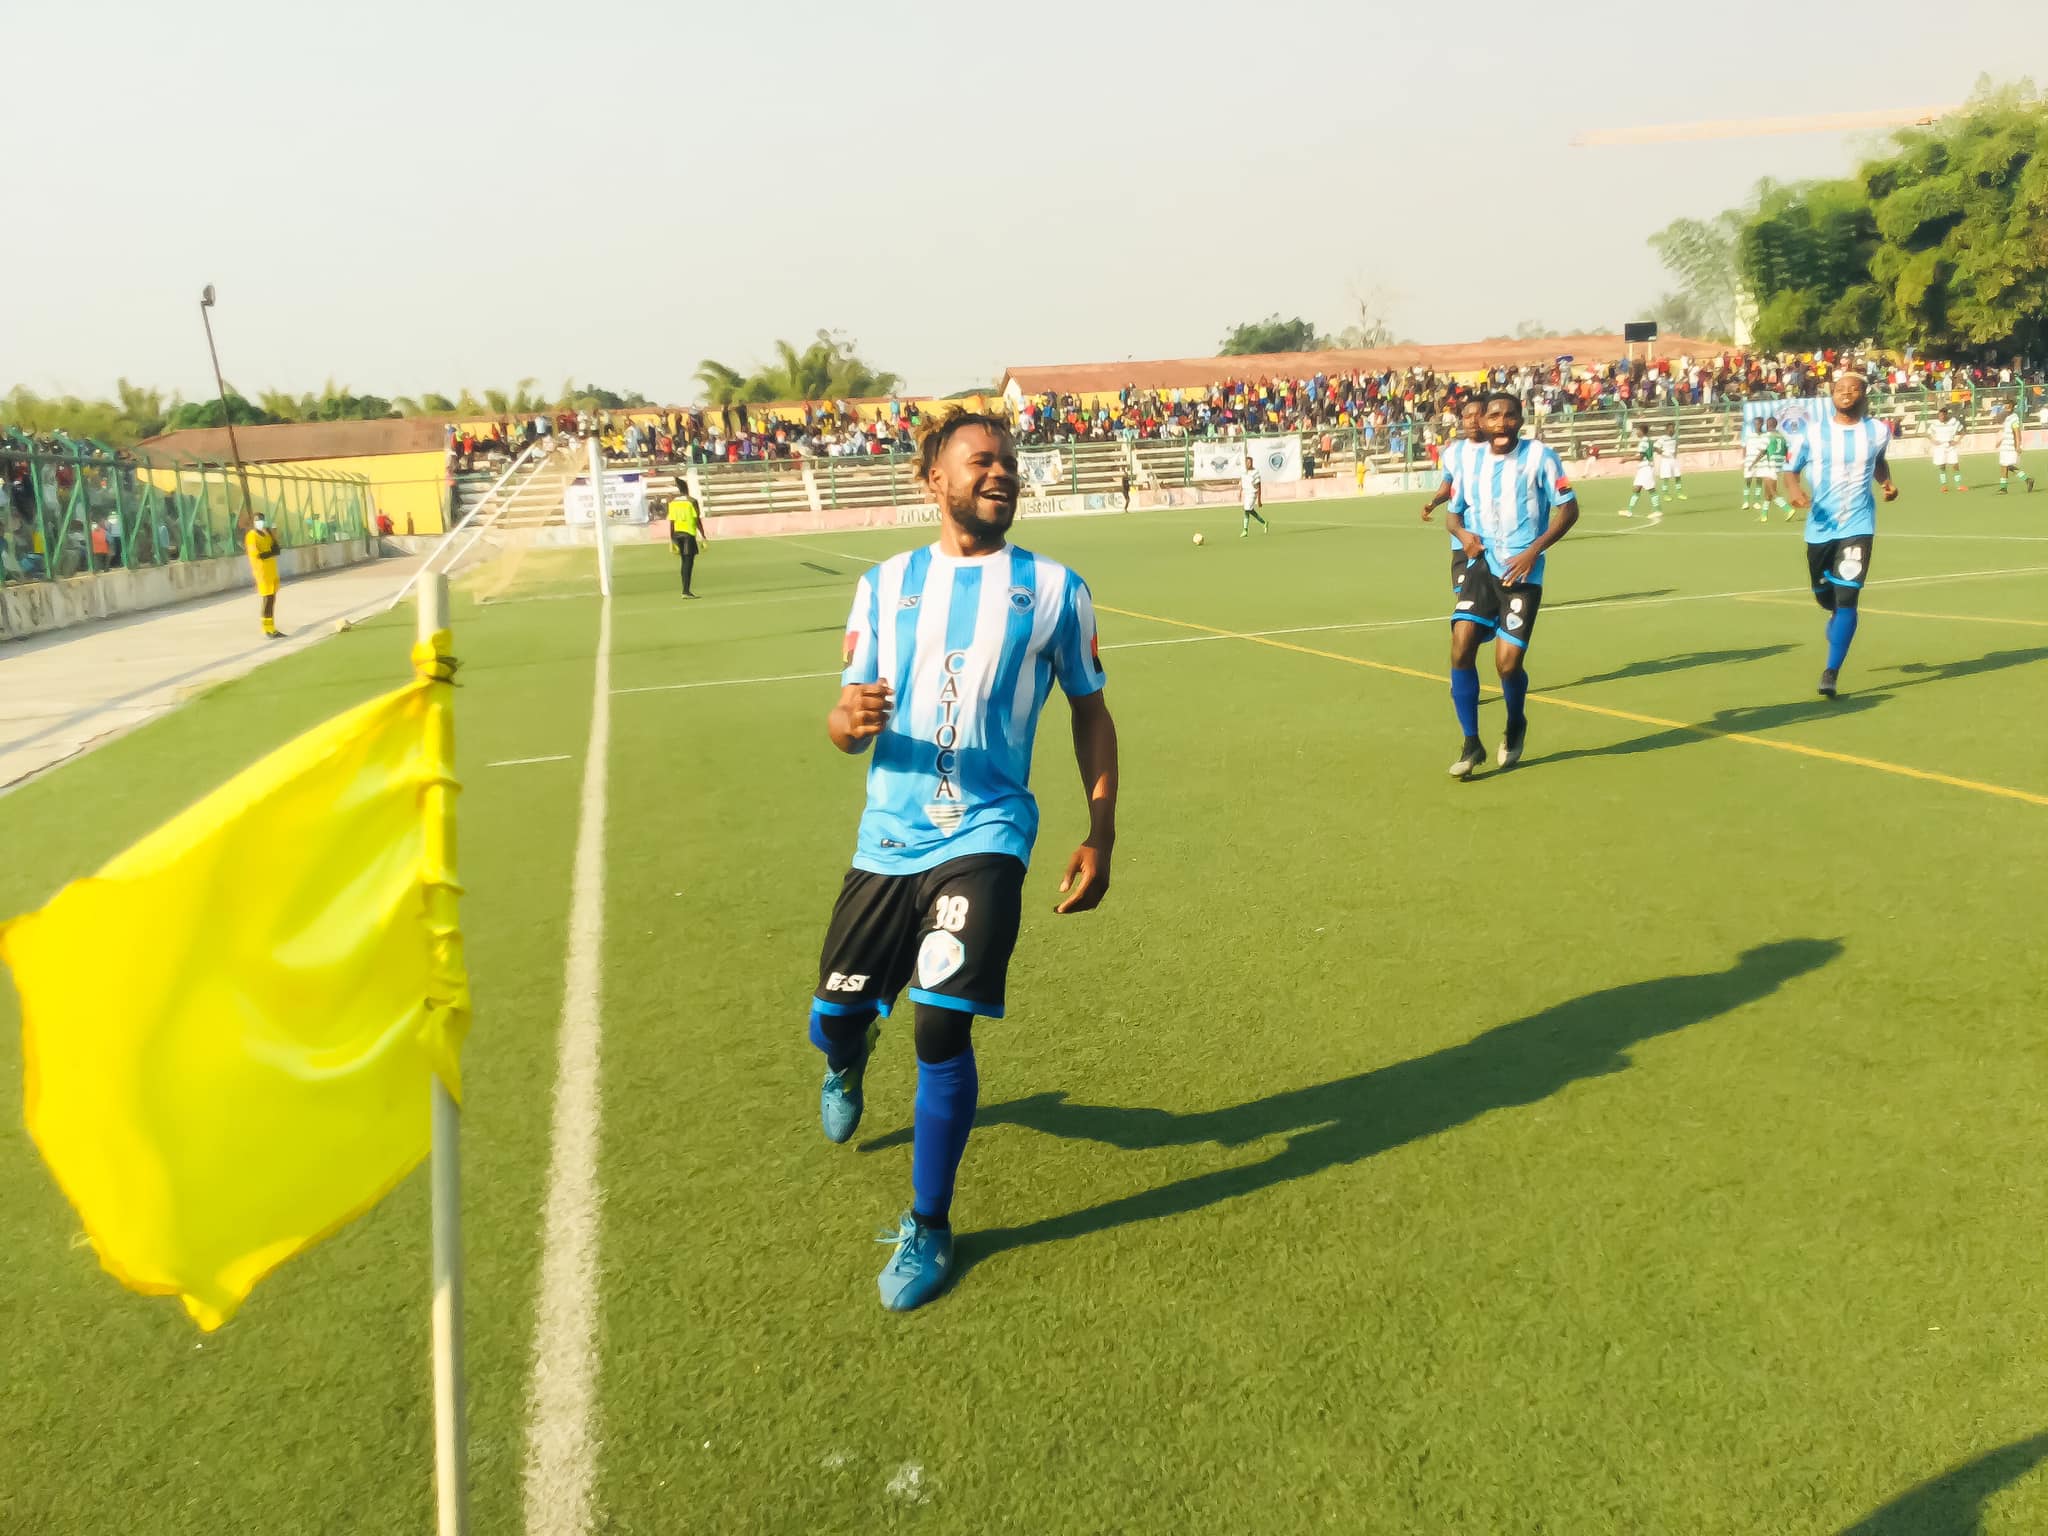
x=940, y=956
x=1021, y=599
x=907, y=602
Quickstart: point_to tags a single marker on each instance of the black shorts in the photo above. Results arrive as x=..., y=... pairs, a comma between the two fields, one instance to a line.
x=685, y=543
x=1509, y=612
x=947, y=933
x=1457, y=569
x=1838, y=568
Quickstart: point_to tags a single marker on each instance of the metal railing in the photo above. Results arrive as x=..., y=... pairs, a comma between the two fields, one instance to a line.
x=80, y=509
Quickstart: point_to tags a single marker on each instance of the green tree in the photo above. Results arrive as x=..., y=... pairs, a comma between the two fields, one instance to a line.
x=1935, y=243
x=1272, y=334
x=1703, y=256
x=207, y=413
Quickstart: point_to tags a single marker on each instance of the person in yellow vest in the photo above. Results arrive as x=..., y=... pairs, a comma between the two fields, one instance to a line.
x=262, y=547
x=686, y=532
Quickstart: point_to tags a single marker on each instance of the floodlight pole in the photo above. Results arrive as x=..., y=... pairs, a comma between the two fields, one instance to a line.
x=220, y=384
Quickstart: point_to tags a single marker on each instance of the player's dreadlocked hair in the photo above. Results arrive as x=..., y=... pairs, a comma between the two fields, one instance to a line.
x=937, y=434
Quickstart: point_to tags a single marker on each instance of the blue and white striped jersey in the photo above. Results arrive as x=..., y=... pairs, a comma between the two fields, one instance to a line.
x=1841, y=464
x=1457, y=458
x=971, y=648
x=1506, y=498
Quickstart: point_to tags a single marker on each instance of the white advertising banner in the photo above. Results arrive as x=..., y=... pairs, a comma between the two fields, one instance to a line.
x=1278, y=458
x=1041, y=468
x=625, y=499
x=1794, y=416
x=1219, y=460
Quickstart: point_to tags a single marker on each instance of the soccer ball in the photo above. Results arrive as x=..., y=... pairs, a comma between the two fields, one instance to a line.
x=1198, y=538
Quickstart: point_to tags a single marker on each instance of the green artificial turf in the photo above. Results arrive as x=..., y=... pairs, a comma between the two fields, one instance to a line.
x=1647, y=1139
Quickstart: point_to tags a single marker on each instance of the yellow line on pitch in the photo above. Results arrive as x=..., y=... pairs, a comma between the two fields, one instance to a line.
x=1899, y=770
x=1910, y=613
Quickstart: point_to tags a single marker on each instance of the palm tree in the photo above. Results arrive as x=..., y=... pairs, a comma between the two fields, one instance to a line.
x=722, y=384
x=285, y=405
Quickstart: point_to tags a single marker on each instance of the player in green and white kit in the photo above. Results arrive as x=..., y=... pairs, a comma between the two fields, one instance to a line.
x=1646, y=477
x=2009, y=431
x=1777, y=452
x=1753, y=478
x=1667, y=465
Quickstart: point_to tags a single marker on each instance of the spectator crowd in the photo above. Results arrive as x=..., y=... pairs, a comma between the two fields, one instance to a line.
x=1391, y=406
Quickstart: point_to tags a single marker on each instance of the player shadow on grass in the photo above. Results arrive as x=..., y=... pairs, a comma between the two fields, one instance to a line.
x=1745, y=721
x=1684, y=661
x=1608, y=599
x=1915, y=673
x=1953, y=1503
x=1334, y=1124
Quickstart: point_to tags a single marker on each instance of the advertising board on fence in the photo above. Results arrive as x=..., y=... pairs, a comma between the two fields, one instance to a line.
x=1041, y=467
x=625, y=499
x=1795, y=417
x=1278, y=458
x=1083, y=504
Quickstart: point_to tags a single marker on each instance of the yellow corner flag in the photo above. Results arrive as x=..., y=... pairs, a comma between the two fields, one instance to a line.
x=230, y=1031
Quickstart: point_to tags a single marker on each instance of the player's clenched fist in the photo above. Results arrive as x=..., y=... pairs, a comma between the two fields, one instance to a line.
x=863, y=709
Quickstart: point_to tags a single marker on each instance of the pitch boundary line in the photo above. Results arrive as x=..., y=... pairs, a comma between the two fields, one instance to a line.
x=1908, y=613
x=1899, y=770
x=561, y=1427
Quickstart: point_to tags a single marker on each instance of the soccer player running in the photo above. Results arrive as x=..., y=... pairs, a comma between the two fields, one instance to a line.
x=1456, y=457
x=1753, y=478
x=950, y=652
x=2009, y=431
x=1513, y=504
x=1646, y=477
x=1845, y=457
x=1777, y=452
x=1253, y=496
x=1945, y=436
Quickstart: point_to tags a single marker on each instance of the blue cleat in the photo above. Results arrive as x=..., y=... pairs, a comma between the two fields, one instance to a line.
x=840, y=1100
x=920, y=1267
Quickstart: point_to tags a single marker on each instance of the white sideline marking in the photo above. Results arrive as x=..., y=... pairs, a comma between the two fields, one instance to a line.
x=521, y=762
x=561, y=1427
x=726, y=682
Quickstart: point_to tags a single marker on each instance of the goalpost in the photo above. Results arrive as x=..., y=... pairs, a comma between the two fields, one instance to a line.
x=601, y=517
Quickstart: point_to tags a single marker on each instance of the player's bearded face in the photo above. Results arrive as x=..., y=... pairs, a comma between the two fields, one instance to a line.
x=1503, y=426
x=1849, y=391
x=977, y=483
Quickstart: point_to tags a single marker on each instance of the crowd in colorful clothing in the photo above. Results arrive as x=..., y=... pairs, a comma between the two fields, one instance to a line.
x=1390, y=405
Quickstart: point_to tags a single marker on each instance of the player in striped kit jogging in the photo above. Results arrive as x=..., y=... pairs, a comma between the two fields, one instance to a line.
x=1844, y=458
x=951, y=652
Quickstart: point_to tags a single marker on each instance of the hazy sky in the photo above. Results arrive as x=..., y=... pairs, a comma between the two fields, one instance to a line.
x=425, y=196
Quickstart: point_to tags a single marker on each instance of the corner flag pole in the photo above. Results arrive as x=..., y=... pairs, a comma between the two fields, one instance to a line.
x=603, y=518
x=451, y=1436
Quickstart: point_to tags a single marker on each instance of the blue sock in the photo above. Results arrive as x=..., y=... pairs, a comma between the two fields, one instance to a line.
x=947, y=1092
x=1515, y=686
x=1465, y=697
x=1841, y=630
x=840, y=1036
